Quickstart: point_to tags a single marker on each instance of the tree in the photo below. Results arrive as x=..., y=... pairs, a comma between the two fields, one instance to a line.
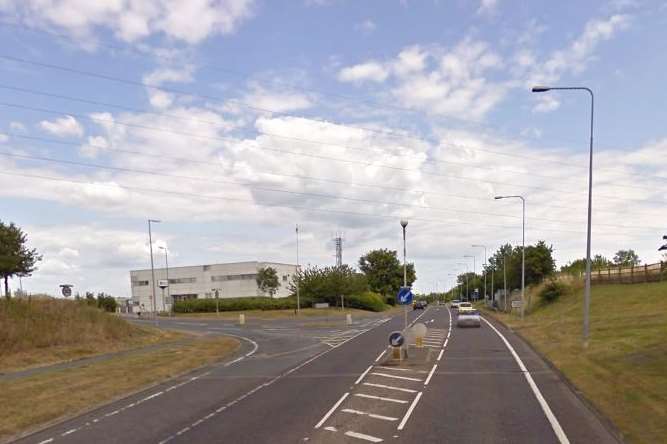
x=328, y=284
x=16, y=259
x=578, y=267
x=626, y=258
x=385, y=272
x=267, y=280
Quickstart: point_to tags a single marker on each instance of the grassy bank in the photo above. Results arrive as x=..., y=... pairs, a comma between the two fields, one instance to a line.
x=44, y=331
x=31, y=401
x=623, y=371
x=332, y=312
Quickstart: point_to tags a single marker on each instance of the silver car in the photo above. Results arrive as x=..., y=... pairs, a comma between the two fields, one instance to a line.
x=469, y=318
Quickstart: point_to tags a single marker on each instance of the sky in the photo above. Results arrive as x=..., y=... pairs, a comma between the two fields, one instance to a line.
x=232, y=121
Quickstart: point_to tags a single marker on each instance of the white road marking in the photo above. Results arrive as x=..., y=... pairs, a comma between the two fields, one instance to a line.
x=381, y=398
x=399, y=369
x=69, y=432
x=46, y=441
x=409, y=412
x=362, y=375
x=555, y=425
x=331, y=429
x=390, y=387
x=363, y=436
x=396, y=377
x=370, y=415
x=381, y=355
x=333, y=409
x=430, y=375
x=441, y=352
x=445, y=344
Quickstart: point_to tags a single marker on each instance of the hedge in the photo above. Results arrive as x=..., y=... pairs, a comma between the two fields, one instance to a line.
x=234, y=304
x=366, y=301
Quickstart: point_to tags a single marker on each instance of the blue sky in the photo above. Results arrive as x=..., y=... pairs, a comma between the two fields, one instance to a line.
x=233, y=120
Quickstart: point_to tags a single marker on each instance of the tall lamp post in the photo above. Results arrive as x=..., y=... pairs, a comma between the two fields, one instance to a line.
x=587, y=287
x=150, y=245
x=474, y=266
x=166, y=263
x=467, y=271
x=523, y=250
x=298, y=275
x=404, y=224
x=483, y=246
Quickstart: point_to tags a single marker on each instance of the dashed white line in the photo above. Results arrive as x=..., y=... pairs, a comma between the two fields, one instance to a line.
x=363, y=436
x=381, y=398
x=363, y=375
x=430, y=375
x=46, y=441
x=69, y=432
x=390, y=387
x=409, y=412
x=370, y=415
x=330, y=412
x=555, y=425
x=385, y=375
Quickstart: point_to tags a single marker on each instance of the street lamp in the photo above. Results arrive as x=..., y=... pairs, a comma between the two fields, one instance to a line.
x=467, y=287
x=483, y=246
x=298, y=275
x=474, y=265
x=150, y=245
x=166, y=262
x=523, y=249
x=404, y=223
x=587, y=287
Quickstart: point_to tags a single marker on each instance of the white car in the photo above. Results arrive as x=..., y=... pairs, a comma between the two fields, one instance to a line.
x=455, y=303
x=464, y=306
x=469, y=318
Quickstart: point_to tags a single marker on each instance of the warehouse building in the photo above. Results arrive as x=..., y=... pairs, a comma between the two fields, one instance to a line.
x=201, y=281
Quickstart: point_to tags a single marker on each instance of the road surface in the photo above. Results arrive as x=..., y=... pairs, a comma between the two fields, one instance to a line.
x=292, y=383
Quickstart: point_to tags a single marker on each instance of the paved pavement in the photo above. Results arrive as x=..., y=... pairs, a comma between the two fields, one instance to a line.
x=292, y=383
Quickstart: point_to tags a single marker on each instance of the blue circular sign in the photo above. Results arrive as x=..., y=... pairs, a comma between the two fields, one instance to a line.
x=396, y=339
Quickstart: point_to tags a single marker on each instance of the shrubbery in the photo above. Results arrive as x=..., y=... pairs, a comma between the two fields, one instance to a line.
x=552, y=290
x=366, y=301
x=234, y=304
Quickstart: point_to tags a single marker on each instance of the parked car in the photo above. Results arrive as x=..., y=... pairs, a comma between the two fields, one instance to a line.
x=469, y=318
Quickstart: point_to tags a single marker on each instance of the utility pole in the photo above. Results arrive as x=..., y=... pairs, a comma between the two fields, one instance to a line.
x=484, y=271
x=298, y=274
x=166, y=262
x=404, y=224
x=150, y=245
x=505, y=280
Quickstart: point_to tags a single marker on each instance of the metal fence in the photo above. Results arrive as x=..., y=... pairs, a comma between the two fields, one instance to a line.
x=631, y=275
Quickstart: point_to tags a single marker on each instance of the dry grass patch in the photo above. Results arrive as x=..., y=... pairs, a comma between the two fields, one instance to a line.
x=624, y=369
x=28, y=402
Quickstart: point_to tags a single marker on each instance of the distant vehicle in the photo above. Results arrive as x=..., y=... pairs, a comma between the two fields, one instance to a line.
x=455, y=303
x=464, y=306
x=419, y=305
x=469, y=318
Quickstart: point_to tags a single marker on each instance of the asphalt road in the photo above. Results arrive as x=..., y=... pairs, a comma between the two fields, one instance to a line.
x=329, y=384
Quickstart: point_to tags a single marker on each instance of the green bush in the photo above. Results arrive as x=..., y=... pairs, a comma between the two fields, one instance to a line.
x=390, y=300
x=552, y=291
x=234, y=304
x=366, y=301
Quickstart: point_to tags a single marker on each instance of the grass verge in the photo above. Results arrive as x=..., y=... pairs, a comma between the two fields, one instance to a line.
x=623, y=369
x=29, y=402
x=285, y=314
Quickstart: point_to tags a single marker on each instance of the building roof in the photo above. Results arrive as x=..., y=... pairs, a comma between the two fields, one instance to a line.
x=212, y=265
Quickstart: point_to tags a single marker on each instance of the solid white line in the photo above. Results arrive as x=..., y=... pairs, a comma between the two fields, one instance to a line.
x=555, y=425
x=362, y=375
x=380, y=398
x=396, y=377
x=330, y=412
x=440, y=355
x=409, y=412
x=331, y=429
x=370, y=415
x=445, y=344
x=390, y=387
x=430, y=375
x=381, y=355
x=363, y=436
x=396, y=368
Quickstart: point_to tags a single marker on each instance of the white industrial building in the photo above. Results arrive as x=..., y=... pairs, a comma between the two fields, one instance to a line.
x=200, y=281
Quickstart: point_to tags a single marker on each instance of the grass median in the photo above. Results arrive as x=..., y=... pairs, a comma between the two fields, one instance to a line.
x=623, y=371
x=28, y=402
x=289, y=314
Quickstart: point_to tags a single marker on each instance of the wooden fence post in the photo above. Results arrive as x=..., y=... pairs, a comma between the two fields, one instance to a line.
x=645, y=272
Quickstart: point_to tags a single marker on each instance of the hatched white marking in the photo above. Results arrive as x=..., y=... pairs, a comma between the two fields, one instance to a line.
x=333, y=409
x=389, y=387
x=396, y=377
x=381, y=398
x=363, y=436
x=409, y=412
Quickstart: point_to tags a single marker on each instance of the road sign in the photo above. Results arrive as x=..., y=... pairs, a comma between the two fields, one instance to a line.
x=396, y=339
x=516, y=304
x=162, y=283
x=66, y=290
x=405, y=296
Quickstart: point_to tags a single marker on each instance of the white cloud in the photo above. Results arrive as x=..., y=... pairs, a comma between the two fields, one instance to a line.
x=16, y=126
x=277, y=101
x=546, y=103
x=169, y=75
x=370, y=71
x=487, y=7
x=66, y=126
x=94, y=145
x=367, y=26
x=3, y=138
x=189, y=21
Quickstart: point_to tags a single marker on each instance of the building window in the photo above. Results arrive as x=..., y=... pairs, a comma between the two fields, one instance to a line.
x=139, y=283
x=234, y=277
x=284, y=278
x=183, y=281
x=206, y=267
